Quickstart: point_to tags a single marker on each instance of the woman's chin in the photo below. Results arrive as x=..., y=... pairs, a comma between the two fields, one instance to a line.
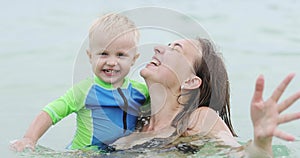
x=145, y=73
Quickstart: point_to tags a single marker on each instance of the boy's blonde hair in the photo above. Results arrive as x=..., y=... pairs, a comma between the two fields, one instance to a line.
x=115, y=25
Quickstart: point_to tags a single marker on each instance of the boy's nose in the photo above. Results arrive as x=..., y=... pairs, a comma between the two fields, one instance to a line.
x=111, y=62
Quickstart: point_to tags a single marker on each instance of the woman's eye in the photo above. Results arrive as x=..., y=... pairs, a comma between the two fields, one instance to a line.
x=177, y=48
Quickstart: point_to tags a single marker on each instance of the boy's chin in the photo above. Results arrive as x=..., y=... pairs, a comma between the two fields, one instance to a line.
x=110, y=81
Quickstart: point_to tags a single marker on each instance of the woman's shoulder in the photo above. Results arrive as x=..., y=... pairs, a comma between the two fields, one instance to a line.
x=204, y=113
x=205, y=120
x=205, y=109
x=203, y=116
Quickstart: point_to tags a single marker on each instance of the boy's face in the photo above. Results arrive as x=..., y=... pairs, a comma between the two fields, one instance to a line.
x=111, y=58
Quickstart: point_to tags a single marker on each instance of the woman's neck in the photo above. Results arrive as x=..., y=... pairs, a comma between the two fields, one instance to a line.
x=164, y=106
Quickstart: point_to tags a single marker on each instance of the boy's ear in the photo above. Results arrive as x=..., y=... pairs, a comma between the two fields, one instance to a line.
x=192, y=83
x=89, y=54
x=136, y=56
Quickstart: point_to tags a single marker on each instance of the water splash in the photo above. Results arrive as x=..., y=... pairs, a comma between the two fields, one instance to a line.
x=192, y=146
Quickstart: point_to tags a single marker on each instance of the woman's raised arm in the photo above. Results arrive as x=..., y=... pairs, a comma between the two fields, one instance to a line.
x=266, y=114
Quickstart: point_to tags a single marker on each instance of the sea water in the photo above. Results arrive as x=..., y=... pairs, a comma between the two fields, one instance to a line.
x=42, y=54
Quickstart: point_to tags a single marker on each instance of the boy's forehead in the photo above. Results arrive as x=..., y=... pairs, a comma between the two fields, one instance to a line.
x=112, y=34
x=106, y=40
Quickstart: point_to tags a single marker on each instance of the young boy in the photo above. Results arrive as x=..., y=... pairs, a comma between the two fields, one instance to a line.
x=107, y=105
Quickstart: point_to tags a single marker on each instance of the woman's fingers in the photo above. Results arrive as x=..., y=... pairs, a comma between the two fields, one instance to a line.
x=288, y=117
x=288, y=102
x=283, y=135
x=259, y=87
x=280, y=89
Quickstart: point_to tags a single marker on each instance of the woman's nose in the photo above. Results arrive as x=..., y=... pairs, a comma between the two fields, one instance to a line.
x=159, y=49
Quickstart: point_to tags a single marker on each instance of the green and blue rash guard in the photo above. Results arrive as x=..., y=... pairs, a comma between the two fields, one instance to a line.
x=99, y=108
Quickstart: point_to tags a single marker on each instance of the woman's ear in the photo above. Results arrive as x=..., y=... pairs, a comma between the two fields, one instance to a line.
x=192, y=83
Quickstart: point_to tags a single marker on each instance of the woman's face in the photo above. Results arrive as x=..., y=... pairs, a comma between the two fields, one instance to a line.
x=172, y=64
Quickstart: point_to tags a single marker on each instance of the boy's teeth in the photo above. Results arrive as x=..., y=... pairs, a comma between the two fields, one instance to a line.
x=110, y=71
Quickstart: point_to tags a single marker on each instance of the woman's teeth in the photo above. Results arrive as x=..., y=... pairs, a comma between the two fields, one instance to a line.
x=155, y=62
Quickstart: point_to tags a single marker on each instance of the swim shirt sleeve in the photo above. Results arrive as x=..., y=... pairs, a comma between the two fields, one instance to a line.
x=71, y=101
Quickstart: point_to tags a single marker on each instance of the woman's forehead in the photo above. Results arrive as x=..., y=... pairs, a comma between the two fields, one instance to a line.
x=191, y=47
x=187, y=43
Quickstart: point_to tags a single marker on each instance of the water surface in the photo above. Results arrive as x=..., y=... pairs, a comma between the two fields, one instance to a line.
x=41, y=40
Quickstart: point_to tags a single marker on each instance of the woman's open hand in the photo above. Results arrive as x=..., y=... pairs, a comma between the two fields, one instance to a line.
x=266, y=114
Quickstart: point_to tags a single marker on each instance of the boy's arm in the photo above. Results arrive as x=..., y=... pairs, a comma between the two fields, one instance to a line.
x=36, y=129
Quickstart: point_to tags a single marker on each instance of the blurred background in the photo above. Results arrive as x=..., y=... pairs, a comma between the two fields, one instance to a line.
x=42, y=52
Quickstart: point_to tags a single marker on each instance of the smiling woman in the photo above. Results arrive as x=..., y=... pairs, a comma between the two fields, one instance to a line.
x=38, y=68
x=192, y=76
x=176, y=61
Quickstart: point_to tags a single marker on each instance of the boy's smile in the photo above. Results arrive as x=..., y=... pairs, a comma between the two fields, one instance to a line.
x=112, y=57
x=110, y=72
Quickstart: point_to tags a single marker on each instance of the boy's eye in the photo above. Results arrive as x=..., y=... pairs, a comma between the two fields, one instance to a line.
x=103, y=53
x=120, y=54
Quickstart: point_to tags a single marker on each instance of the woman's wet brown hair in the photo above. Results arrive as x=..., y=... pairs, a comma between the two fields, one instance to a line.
x=214, y=91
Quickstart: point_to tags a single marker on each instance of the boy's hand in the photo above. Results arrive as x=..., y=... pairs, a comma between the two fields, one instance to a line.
x=266, y=117
x=37, y=128
x=21, y=144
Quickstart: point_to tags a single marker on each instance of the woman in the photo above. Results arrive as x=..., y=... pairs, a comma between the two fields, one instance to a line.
x=189, y=90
